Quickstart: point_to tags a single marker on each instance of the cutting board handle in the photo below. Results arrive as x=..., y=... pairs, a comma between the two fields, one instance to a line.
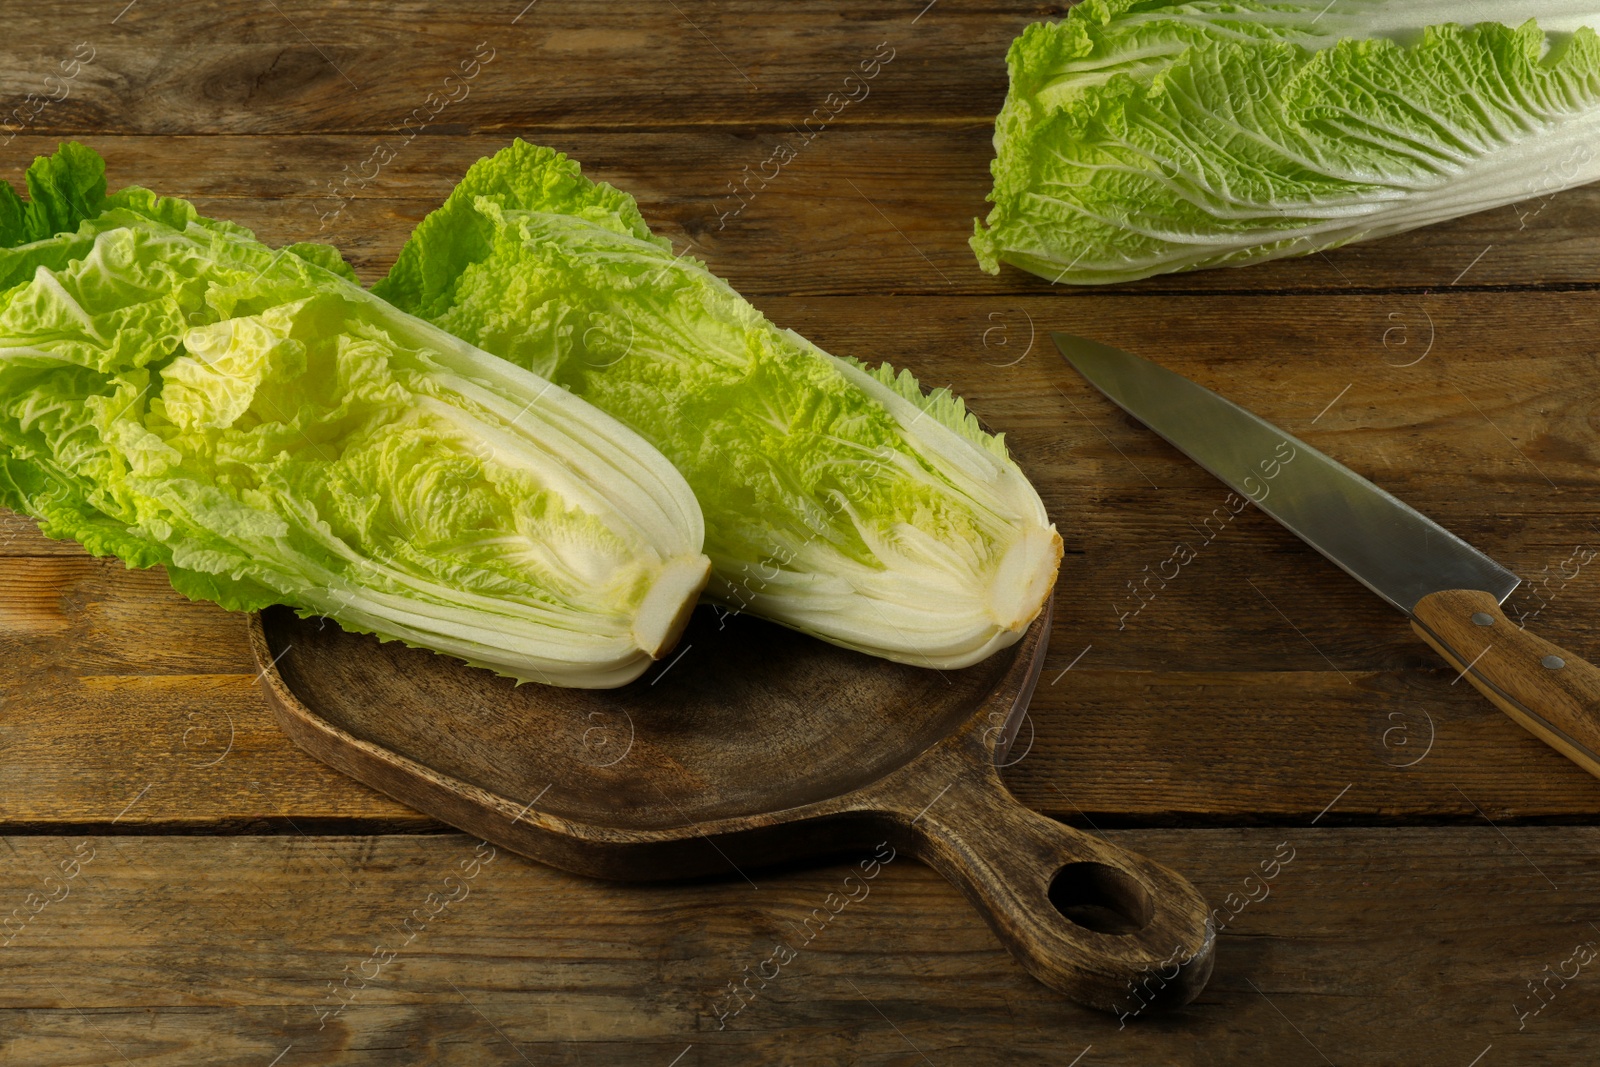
x=1101, y=924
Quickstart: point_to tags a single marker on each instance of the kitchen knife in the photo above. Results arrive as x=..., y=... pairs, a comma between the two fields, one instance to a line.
x=1451, y=591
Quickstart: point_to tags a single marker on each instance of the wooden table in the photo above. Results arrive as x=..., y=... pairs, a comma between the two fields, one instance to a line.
x=215, y=896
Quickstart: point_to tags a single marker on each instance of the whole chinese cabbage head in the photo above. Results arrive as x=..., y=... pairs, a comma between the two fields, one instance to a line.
x=1147, y=136
x=839, y=499
x=174, y=392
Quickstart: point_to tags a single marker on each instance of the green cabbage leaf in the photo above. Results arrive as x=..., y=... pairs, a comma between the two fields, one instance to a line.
x=174, y=392
x=1146, y=136
x=839, y=500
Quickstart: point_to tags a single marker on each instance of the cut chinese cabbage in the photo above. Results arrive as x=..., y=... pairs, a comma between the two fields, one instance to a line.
x=172, y=391
x=1147, y=136
x=839, y=500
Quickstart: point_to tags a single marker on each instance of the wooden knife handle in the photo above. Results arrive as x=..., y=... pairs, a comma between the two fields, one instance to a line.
x=1552, y=693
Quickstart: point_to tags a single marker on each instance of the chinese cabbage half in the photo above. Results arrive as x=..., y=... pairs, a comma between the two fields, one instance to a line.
x=172, y=391
x=839, y=500
x=1146, y=136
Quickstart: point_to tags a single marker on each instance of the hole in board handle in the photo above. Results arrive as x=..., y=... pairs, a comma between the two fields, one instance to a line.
x=1101, y=898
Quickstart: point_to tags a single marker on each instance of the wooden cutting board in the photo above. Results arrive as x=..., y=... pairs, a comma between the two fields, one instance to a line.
x=751, y=745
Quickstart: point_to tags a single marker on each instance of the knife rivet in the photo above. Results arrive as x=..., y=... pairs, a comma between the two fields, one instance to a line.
x=1554, y=663
x=1483, y=618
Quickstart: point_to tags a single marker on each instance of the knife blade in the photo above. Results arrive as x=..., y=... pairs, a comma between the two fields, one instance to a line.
x=1451, y=591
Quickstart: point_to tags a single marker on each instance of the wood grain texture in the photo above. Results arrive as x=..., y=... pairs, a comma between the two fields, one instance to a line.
x=1258, y=685
x=1389, y=948
x=303, y=67
x=1547, y=690
x=859, y=210
x=694, y=773
x=1492, y=434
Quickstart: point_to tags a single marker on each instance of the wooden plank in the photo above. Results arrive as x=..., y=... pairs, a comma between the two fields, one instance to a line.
x=178, y=751
x=1370, y=946
x=20, y=536
x=1254, y=684
x=1260, y=685
x=880, y=210
x=154, y=697
x=301, y=67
